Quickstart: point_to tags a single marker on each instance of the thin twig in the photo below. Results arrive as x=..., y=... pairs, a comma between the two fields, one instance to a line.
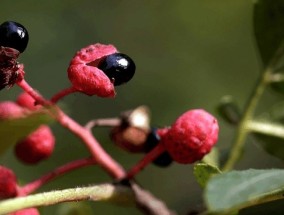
x=107, y=122
x=130, y=194
x=34, y=185
x=148, y=203
x=62, y=94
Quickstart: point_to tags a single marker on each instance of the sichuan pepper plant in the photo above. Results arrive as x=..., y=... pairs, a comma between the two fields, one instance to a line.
x=190, y=139
x=94, y=70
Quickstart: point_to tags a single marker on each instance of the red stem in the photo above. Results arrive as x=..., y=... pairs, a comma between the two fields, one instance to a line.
x=33, y=93
x=148, y=158
x=62, y=94
x=102, y=157
x=34, y=185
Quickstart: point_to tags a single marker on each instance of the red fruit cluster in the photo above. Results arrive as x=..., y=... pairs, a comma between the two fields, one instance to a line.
x=38, y=145
x=8, y=183
x=191, y=136
x=84, y=74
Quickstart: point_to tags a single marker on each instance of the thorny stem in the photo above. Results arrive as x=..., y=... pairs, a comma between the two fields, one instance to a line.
x=243, y=128
x=62, y=94
x=149, y=157
x=34, y=185
x=102, y=157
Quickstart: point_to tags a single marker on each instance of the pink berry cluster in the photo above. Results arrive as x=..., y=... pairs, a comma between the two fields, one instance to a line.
x=39, y=144
x=186, y=141
x=189, y=138
x=32, y=149
x=96, y=70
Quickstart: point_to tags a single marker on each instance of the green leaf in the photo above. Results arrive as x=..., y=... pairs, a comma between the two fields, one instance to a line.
x=203, y=172
x=272, y=144
x=268, y=27
x=212, y=158
x=239, y=189
x=13, y=130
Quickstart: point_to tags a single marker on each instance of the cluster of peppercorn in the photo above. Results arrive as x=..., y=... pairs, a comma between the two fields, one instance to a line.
x=96, y=70
x=190, y=137
x=186, y=141
x=39, y=144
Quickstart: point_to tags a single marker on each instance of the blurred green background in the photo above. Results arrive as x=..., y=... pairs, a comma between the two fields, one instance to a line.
x=188, y=53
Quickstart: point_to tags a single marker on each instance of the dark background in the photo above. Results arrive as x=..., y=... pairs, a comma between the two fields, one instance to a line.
x=188, y=55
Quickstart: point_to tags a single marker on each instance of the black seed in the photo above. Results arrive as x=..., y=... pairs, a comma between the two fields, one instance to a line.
x=14, y=35
x=118, y=67
x=153, y=139
x=164, y=160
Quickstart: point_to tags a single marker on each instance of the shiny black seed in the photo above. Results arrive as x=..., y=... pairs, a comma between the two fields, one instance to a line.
x=153, y=139
x=119, y=67
x=14, y=35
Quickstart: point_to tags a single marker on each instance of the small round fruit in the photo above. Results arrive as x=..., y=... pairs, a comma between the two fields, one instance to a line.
x=119, y=67
x=85, y=75
x=36, y=147
x=8, y=183
x=192, y=136
x=26, y=101
x=14, y=35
